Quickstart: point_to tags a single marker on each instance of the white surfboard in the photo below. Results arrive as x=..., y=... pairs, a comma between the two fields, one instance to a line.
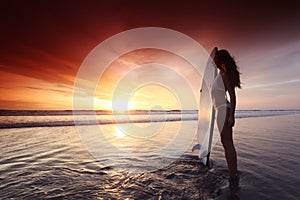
x=206, y=136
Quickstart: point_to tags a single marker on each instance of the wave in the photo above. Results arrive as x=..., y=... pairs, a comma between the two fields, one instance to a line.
x=90, y=112
x=92, y=122
x=27, y=119
x=264, y=113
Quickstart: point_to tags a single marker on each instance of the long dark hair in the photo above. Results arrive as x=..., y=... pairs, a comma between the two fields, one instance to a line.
x=223, y=57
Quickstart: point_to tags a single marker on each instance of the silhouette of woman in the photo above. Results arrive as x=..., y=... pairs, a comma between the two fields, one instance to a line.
x=227, y=80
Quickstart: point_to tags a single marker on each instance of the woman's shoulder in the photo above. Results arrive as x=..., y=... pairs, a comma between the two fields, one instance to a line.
x=226, y=79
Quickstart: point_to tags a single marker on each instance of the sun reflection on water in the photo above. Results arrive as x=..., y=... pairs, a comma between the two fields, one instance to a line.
x=119, y=133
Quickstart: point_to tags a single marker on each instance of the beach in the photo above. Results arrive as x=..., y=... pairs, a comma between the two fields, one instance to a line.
x=53, y=163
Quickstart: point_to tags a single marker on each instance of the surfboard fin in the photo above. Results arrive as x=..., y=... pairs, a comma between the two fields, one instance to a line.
x=196, y=147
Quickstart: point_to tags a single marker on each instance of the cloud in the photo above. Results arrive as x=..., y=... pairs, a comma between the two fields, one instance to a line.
x=46, y=43
x=270, y=65
x=28, y=61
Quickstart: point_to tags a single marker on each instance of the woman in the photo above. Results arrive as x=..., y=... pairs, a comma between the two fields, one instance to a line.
x=227, y=80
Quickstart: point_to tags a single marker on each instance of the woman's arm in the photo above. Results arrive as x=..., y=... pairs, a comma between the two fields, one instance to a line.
x=230, y=88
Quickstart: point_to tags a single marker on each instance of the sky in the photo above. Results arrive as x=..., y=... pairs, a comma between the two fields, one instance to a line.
x=44, y=43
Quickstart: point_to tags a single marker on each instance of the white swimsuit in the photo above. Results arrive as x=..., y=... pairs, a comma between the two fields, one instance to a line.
x=218, y=93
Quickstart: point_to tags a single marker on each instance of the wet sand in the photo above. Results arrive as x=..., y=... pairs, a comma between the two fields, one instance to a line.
x=51, y=163
x=183, y=179
x=47, y=163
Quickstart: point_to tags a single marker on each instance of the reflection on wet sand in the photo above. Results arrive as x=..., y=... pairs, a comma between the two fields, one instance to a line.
x=183, y=179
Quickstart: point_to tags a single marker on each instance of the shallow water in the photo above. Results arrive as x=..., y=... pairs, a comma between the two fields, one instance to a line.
x=268, y=157
x=51, y=162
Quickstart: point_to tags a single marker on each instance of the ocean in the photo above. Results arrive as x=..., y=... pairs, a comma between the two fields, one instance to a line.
x=143, y=155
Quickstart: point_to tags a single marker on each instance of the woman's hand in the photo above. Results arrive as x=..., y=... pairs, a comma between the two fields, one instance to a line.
x=231, y=121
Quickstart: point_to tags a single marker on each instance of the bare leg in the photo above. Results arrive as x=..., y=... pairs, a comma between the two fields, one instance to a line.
x=227, y=141
x=230, y=152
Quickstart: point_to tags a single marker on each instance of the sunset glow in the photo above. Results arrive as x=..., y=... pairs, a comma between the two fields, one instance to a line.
x=42, y=54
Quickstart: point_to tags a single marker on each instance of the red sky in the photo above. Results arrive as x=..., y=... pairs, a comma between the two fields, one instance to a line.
x=43, y=44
